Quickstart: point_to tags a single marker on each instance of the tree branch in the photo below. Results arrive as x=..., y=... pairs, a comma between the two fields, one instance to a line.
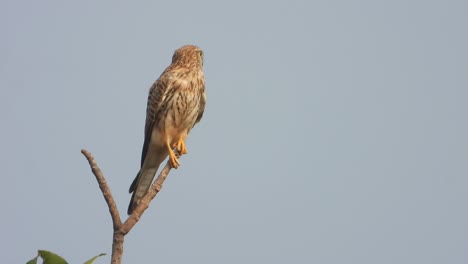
x=120, y=230
x=114, y=211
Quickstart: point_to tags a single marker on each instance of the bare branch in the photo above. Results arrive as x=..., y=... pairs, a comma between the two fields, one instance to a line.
x=120, y=230
x=114, y=211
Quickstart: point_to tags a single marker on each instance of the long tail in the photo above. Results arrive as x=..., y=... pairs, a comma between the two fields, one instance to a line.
x=140, y=186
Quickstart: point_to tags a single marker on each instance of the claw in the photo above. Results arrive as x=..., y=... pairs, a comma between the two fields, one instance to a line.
x=180, y=145
x=173, y=158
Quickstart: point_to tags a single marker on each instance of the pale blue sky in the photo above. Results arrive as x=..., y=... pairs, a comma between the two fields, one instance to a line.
x=335, y=131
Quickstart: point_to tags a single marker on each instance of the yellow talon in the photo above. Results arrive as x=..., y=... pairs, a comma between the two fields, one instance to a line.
x=180, y=145
x=173, y=158
x=174, y=161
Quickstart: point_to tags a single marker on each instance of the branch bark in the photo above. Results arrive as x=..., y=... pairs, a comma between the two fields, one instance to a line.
x=121, y=229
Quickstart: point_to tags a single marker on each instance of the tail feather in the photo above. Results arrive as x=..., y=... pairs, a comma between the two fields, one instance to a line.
x=140, y=186
x=133, y=185
x=133, y=201
x=133, y=204
x=155, y=155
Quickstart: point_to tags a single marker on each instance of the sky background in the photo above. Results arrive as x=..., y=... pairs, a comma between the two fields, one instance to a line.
x=334, y=132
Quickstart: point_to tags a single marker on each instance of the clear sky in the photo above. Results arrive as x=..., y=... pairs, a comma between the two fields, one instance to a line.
x=335, y=131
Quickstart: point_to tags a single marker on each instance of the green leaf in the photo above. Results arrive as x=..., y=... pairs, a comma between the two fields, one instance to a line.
x=32, y=261
x=51, y=258
x=93, y=259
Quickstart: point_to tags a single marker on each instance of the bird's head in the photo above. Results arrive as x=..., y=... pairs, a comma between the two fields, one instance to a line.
x=189, y=56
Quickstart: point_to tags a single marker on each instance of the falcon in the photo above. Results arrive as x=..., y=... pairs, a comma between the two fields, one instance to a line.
x=176, y=102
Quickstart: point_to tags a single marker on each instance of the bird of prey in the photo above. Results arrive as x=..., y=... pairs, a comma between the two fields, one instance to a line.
x=176, y=102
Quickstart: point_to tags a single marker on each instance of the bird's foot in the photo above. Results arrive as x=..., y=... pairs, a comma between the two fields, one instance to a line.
x=173, y=159
x=180, y=146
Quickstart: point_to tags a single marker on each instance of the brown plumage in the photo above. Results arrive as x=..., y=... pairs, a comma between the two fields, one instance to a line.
x=176, y=103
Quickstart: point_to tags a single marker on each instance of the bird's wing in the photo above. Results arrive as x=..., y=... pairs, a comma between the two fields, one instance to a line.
x=201, y=106
x=157, y=100
x=159, y=94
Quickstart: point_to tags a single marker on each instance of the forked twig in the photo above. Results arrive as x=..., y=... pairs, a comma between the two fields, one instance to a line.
x=121, y=229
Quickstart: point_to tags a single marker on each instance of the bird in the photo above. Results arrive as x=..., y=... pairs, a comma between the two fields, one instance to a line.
x=176, y=102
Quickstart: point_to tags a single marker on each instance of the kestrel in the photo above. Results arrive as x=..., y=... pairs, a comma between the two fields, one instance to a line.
x=176, y=102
